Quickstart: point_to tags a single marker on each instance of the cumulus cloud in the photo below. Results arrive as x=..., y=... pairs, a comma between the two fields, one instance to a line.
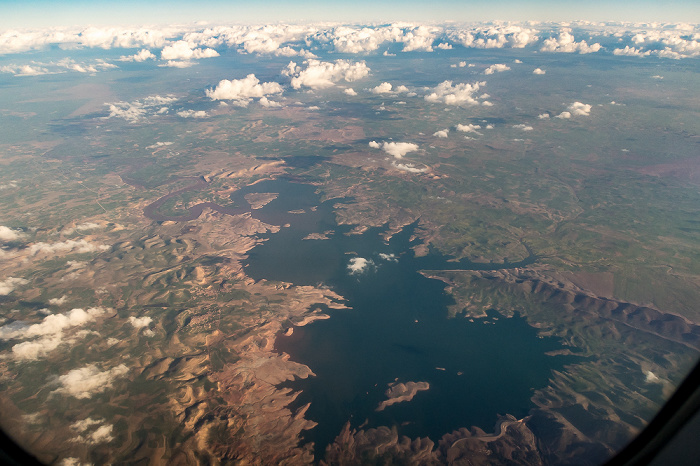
x=396, y=149
x=350, y=91
x=51, y=324
x=58, y=301
x=140, y=56
x=497, y=68
x=383, y=88
x=319, y=74
x=494, y=36
x=87, y=381
x=181, y=50
x=138, y=110
x=192, y=114
x=388, y=257
x=538, y=71
x=92, y=431
x=12, y=41
x=444, y=46
x=631, y=52
x=8, y=285
x=242, y=91
x=347, y=39
x=24, y=70
x=664, y=42
x=388, y=88
x=178, y=64
x=80, y=228
x=142, y=323
x=441, y=133
x=523, y=127
x=359, y=265
x=8, y=234
x=159, y=144
x=575, y=109
x=408, y=167
x=48, y=334
x=566, y=43
x=70, y=246
x=265, y=102
x=470, y=128
x=543, y=116
x=94, y=67
x=458, y=94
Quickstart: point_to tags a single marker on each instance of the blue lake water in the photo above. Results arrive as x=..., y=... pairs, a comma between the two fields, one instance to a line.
x=396, y=330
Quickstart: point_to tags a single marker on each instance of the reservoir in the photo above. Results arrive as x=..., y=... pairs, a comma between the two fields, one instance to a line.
x=396, y=330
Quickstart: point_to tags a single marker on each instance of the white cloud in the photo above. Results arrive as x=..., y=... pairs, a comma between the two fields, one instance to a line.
x=523, y=127
x=159, y=144
x=8, y=234
x=388, y=257
x=242, y=91
x=383, y=88
x=192, y=114
x=12, y=41
x=181, y=50
x=538, y=71
x=8, y=285
x=497, y=68
x=346, y=39
x=49, y=333
x=52, y=324
x=631, y=52
x=94, y=67
x=178, y=64
x=140, y=56
x=396, y=149
x=359, y=265
x=140, y=109
x=444, y=46
x=470, y=128
x=319, y=75
x=70, y=246
x=350, y=91
x=441, y=133
x=458, y=94
x=142, y=323
x=84, y=382
x=567, y=44
x=657, y=77
x=24, y=70
x=462, y=64
x=87, y=226
x=58, y=301
x=651, y=377
x=92, y=431
x=419, y=38
x=265, y=102
x=576, y=109
x=543, y=116
x=408, y=167
x=495, y=36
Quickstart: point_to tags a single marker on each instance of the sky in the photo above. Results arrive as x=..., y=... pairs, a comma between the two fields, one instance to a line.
x=45, y=13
